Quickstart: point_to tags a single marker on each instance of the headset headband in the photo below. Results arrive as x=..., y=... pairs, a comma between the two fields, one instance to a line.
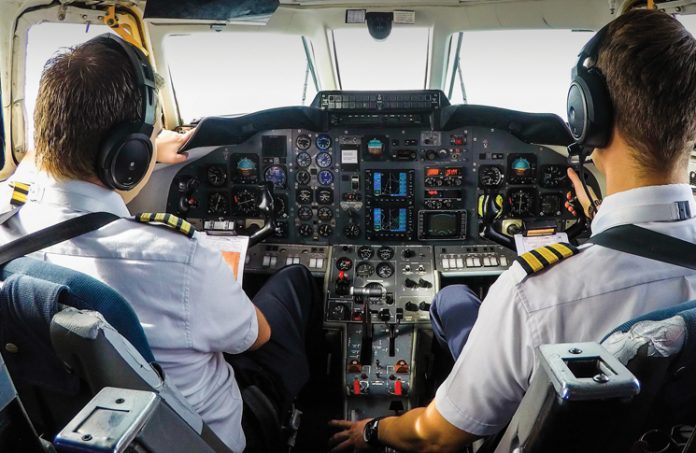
x=590, y=50
x=144, y=77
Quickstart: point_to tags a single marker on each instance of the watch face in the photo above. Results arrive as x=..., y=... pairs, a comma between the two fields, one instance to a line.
x=370, y=433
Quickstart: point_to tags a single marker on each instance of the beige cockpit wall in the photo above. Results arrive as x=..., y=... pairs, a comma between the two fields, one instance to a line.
x=313, y=19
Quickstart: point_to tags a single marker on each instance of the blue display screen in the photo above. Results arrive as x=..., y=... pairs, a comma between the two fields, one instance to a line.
x=392, y=220
x=390, y=184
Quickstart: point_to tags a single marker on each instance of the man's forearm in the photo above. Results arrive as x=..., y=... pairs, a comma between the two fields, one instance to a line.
x=414, y=431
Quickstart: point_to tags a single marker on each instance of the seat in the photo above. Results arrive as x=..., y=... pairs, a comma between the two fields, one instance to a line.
x=61, y=352
x=657, y=349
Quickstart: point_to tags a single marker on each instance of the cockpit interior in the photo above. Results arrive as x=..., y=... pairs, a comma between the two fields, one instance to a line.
x=392, y=148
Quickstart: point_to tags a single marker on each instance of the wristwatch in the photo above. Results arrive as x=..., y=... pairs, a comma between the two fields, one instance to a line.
x=370, y=432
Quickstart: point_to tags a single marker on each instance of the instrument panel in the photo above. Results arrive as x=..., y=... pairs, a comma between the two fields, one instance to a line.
x=361, y=185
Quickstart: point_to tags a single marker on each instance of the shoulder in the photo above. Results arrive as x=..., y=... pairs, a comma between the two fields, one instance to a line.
x=537, y=261
x=166, y=220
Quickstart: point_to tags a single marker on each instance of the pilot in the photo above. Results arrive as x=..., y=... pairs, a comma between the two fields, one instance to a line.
x=648, y=61
x=186, y=297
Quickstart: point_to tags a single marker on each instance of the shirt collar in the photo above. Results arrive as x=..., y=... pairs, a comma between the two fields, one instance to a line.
x=76, y=195
x=643, y=204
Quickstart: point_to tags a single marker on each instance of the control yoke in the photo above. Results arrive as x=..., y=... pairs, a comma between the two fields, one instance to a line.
x=267, y=210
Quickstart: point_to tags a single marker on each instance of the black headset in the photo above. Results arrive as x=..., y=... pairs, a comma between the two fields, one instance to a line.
x=589, y=107
x=126, y=149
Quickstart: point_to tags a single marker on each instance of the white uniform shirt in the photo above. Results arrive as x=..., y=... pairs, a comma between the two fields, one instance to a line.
x=582, y=298
x=186, y=297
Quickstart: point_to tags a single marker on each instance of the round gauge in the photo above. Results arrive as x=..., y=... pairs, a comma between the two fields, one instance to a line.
x=351, y=231
x=490, y=176
x=217, y=176
x=304, y=196
x=324, y=160
x=304, y=160
x=306, y=230
x=244, y=201
x=551, y=205
x=305, y=213
x=325, y=230
x=521, y=166
x=246, y=167
x=385, y=253
x=303, y=177
x=325, y=214
x=323, y=142
x=364, y=269
x=218, y=204
x=276, y=174
x=521, y=203
x=325, y=196
x=344, y=263
x=303, y=142
x=553, y=176
x=280, y=206
x=385, y=270
x=326, y=177
x=365, y=252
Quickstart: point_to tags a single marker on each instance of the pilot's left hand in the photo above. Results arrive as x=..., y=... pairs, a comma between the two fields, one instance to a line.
x=350, y=438
x=168, y=144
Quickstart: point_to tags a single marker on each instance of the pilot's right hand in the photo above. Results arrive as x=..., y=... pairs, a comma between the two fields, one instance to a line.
x=582, y=197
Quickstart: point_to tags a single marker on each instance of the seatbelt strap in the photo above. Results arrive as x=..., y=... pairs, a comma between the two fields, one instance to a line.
x=54, y=234
x=648, y=244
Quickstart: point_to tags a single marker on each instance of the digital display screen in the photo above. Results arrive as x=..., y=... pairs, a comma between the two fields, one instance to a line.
x=442, y=225
x=390, y=184
x=390, y=220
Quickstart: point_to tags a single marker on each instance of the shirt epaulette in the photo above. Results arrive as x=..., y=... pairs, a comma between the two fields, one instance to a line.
x=546, y=256
x=20, y=191
x=168, y=220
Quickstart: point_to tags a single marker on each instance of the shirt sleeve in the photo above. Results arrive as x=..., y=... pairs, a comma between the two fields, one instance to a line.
x=221, y=316
x=490, y=377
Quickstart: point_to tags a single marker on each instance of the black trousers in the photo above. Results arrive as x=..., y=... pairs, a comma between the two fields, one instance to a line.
x=290, y=301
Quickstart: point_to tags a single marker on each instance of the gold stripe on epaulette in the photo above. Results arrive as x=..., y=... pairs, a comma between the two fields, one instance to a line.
x=20, y=191
x=170, y=221
x=544, y=257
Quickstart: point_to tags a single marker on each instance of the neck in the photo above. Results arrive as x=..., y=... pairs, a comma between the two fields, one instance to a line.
x=620, y=178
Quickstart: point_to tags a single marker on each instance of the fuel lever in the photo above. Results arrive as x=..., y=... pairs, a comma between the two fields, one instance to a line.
x=367, y=330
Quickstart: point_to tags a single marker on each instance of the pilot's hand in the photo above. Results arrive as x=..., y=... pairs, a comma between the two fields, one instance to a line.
x=350, y=436
x=168, y=144
x=580, y=195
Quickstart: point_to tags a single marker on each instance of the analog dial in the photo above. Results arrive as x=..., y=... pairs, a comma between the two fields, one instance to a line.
x=364, y=269
x=245, y=201
x=218, y=204
x=521, y=203
x=326, y=177
x=306, y=230
x=366, y=252
x=351, y=231
x=325, y=230
x=280, y=206
x=304, y=160
x=304, y=196
x=323, y=142
x=553, y=176
x=490, y=176
x=385, y=270
x=324, y=160
x=325, y=214
x=217, y=175
x=344, y=263
x=325, y=196
x=276, y=175
x=305, y=213
x=303, y=177
x=303, y=142
x=550, y=205
x=385, y=253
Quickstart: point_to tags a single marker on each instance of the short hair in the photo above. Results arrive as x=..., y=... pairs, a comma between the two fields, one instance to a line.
x=84, y=92
x=649, y=61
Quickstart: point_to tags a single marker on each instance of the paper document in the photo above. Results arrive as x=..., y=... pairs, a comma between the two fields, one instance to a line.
x=233, y=249
x=527, y=243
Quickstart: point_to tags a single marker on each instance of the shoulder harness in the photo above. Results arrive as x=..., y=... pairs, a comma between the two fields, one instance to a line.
x=170, y=221
x=546, y=256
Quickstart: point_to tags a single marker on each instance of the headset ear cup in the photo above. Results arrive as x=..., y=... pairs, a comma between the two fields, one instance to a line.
x=590, y=110
x=124, y=158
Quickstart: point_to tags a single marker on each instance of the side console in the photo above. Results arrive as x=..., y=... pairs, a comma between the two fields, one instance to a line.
x=379, y=297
